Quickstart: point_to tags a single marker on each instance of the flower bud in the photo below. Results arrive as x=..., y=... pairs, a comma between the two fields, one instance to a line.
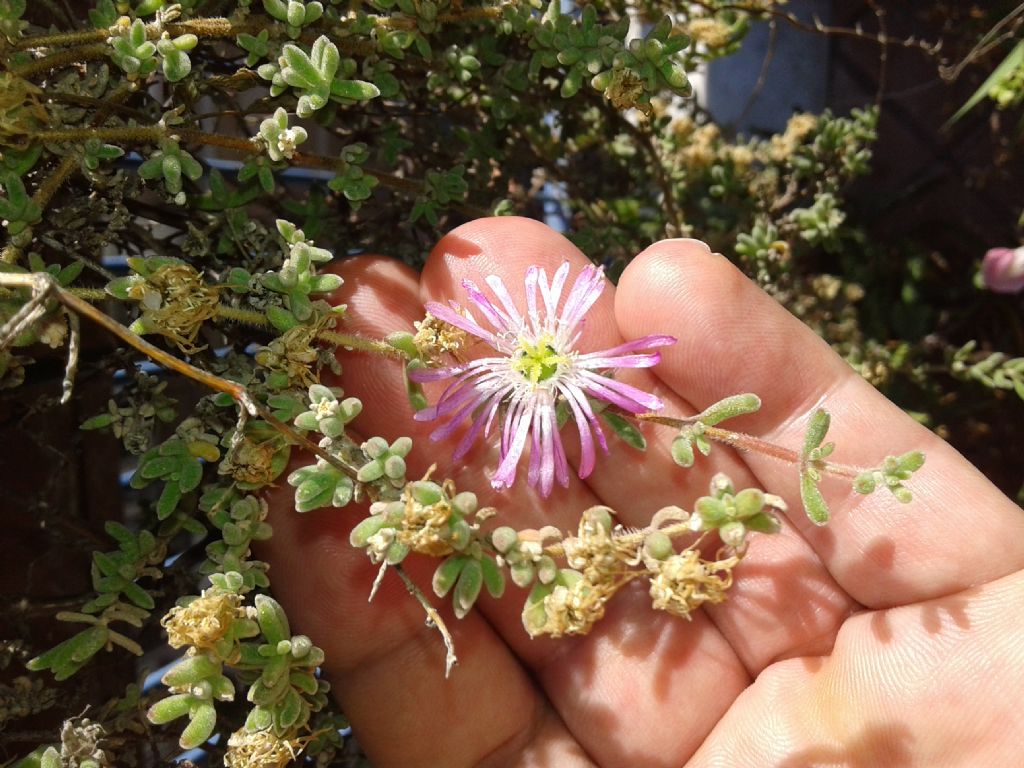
x=1002, y=270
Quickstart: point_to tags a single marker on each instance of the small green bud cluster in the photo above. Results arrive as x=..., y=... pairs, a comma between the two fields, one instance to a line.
x=837, y=143
x=762, y=245
x=18, y=210
x=627, y=75
x=320, y=485
x=297, y=279
x=195, y=683
x=434, y=520
x=278, y=138
x=132, y=51
x=294, y=13
x=95, y=152
x=174, y=464
x=138, y=56
x=734, y=514
x=895, y=470
x=256, y=46
x=319, y=76
x=375, y=467
x=352, y=181
x=171, y=163
x=441, y=189
x=240, y=522
x=523, y=553
x=327, y=414
x=692, y=435
x=285, y=689
x=995, y=371
x=385, y=463
x=174, y=57
x=819, y=224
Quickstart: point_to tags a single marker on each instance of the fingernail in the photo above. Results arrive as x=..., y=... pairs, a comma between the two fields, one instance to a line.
x=687, y=240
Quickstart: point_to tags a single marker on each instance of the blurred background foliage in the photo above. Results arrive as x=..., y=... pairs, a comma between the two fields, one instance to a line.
x=856, y=159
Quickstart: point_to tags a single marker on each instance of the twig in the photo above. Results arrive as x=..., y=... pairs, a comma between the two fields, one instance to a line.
x=645, y=140
x=762, y=76
x=433, y=619
x=44, y=285
x=74, y=344
x=153, y=134
x=744, y=442
x=989, y=40
x=883, y=52
x=930, y=49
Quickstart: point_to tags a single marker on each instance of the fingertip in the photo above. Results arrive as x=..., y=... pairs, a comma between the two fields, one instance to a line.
x=378, y=290
x=503, y=245
x=676, y=261
x=679, y=282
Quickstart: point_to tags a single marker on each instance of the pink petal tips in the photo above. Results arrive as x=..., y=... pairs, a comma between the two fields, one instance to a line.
x=1002, y=270
x=536, y=371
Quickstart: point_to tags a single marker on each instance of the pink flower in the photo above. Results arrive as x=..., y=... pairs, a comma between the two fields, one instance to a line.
x=538, y=366
x=1002, y=270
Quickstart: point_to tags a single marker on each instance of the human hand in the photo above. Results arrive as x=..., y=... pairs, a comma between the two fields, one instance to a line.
x=890, y=637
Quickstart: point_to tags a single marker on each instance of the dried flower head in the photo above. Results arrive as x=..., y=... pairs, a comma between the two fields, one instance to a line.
x=259, y=749
x=203, y=622
x=175, y=303
x=684, y=582
x=538, y=367
x=568, y=608
x=435, y=338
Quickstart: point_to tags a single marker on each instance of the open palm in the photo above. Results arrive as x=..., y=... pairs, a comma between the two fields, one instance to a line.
x=890, y=637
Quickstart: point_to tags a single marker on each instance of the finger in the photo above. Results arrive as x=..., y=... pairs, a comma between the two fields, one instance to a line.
x=783, y=601
x=653, y=661
x=386, y=666
x=913, y=686
x=958, y=531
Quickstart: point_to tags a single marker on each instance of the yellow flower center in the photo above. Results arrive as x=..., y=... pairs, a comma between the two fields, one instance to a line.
x=537, y=360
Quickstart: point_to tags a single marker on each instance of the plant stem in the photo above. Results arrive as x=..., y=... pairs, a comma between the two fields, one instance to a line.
x=42, y=283
x=350, y=341
x=152, y=134
x=744, y=442
x=433, y=617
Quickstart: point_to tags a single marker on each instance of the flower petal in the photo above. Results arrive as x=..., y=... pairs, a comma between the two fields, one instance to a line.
x=575, y=394
x=501, y=321
x=511, y=310
x=487, y=411
x=585, y=291
x=622, y=361
x=561, y=462
x=450, y=316
x=458, y=392
x=627, y=397
x=551, y=294
x=586, y=436
x=423, y=375
x=447, y=429
x=636, y=345
x=532, y=275
x=506, y=472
